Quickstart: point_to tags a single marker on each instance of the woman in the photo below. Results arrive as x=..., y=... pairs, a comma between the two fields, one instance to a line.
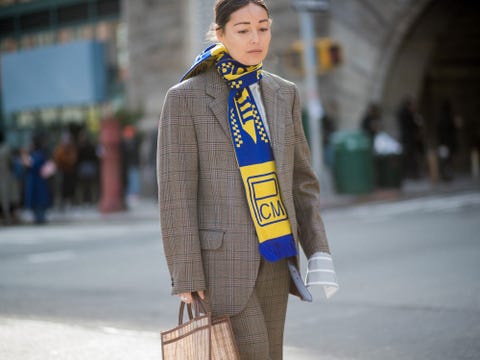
x=236, y=188
x=37, y=191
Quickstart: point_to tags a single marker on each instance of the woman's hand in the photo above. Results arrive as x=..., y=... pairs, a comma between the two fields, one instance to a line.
x=188, y=297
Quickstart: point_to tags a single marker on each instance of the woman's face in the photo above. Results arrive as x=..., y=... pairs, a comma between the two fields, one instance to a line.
x=247, y=34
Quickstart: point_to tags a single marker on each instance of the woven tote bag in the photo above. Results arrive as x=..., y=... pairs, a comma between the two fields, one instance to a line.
x=190, y=340
x=223, y=340
x=201, y=337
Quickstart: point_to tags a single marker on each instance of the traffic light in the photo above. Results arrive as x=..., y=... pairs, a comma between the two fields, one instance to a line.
x=329, y=55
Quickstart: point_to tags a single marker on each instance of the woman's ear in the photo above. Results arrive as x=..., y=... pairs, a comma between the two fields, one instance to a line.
x=219, y=34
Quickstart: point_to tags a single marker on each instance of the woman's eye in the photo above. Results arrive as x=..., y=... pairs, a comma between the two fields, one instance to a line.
x=242, y=31
x=264, y=29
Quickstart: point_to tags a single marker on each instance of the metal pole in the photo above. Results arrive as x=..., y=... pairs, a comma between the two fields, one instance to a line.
x=314, y=106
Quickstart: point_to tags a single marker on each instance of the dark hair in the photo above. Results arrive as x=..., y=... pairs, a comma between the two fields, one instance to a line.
x=224, y=8
x=38, y=141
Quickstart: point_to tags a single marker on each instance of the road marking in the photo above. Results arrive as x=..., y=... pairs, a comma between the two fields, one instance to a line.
x=54, y=256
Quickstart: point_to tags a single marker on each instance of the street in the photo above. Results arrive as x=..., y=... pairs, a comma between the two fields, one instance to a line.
x=408, y=273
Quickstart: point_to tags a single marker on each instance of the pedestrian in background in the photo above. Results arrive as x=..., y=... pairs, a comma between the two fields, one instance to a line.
x=237, y=191
x=87, y=170
x=411, y=128
x=371, y=121
x=65, y=157
x=38, y=196
x=9, y=193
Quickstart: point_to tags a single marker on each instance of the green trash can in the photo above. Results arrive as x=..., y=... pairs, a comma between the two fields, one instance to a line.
x=353, y=162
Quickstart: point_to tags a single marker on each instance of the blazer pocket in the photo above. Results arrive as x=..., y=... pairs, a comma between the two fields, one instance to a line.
x=211, y=239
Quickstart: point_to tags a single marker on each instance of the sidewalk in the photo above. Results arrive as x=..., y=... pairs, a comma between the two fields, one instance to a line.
x=41, y=340
x=410, y=189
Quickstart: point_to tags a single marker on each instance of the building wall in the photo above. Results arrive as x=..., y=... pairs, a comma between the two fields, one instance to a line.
x=156, y=38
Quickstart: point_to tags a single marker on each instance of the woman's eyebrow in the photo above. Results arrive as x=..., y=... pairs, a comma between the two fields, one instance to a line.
x=242, y=23
x=248, y=22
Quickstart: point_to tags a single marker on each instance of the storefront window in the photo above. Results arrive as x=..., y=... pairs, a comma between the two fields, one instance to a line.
x=6, y=2
x=8, y=45
x=58, y=24
x=64, y=35
x=87, y=32
x=48, y=116
x=26, y=119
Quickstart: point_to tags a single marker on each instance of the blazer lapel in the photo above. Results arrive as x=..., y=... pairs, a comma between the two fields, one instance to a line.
x=218, y=90
x=275, y=116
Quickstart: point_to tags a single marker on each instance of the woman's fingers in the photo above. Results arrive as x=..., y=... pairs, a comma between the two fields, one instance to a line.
x=186, y=297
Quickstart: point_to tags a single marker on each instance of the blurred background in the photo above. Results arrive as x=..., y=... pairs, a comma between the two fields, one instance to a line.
x=407, y=70
x=395, y=116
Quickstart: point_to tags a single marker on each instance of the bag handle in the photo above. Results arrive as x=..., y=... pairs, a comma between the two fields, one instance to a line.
x=199, y=306
x=182, y=310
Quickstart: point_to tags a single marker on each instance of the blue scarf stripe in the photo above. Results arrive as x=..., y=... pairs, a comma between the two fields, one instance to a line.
x=252, y=153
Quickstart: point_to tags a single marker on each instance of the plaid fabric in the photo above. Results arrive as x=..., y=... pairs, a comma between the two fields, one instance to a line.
x=208, y=235
x=259, y=327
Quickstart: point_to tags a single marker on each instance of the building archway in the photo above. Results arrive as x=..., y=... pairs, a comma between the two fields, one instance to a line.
x=439, y=61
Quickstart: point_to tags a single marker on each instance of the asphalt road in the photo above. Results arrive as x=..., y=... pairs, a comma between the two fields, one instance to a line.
x=408, y=272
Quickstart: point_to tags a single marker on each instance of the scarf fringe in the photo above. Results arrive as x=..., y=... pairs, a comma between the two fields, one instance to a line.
x=275, y=249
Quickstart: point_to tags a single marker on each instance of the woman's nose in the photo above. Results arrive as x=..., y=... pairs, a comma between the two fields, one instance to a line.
x=254, y=38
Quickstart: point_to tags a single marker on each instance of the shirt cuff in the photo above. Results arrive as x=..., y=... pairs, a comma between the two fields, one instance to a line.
x=320, y=271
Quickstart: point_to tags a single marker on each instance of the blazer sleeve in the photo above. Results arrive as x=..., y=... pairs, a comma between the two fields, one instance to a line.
x=306, y=191
x=177, y=177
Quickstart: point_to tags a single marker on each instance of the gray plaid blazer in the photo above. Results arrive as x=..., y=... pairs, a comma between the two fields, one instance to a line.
x=208, y=235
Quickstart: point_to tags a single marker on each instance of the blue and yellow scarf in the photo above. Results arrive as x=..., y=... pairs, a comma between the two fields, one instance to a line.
x=253, y=151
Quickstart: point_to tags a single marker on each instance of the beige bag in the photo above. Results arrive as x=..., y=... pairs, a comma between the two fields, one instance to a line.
x=200, y=338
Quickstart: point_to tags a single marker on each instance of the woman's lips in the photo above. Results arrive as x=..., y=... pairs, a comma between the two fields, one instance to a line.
x=256, y=51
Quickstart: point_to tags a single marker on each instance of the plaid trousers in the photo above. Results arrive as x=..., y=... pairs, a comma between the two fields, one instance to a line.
x=260, y=325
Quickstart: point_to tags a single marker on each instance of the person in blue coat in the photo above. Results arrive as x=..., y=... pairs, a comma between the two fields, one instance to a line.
x=38, y=196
